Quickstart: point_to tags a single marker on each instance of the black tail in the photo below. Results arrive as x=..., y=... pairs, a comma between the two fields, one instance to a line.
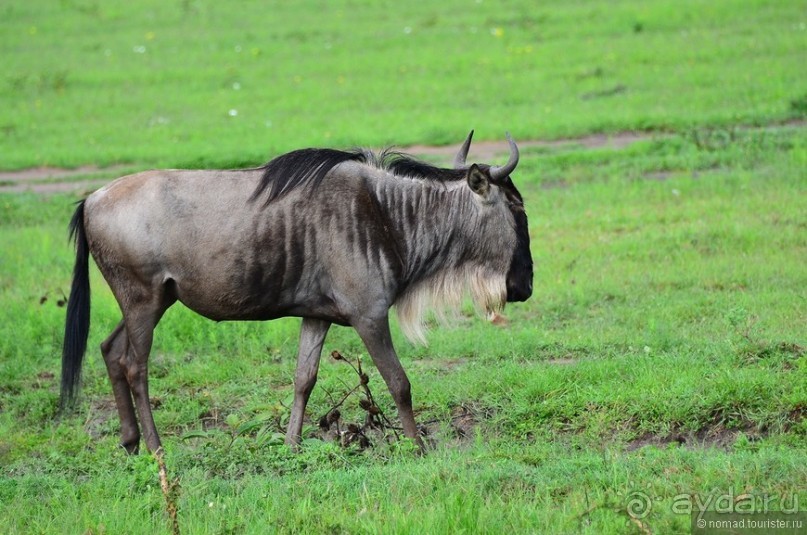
x=77, y=324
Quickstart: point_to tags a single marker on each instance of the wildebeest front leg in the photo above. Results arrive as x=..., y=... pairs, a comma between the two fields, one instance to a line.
x=376, y=337
x=114, y=351
x=312, y=336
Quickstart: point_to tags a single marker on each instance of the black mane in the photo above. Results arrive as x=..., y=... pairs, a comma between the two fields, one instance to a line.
x=299, y=167
x=403, y=164
x=310, y=166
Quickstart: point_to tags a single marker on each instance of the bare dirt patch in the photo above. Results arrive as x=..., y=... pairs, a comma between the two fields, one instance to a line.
x=486, y=151
x=716, y=436
x=102, y=416
x=465, y=419
x=35, y=174
x=460, y=428
x=49, y=180
x=99, y=414
x=54, y=187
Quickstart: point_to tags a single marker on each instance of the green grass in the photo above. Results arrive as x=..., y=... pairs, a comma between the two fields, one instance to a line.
x=157, y=83
x=665, y=310
x=661, y=356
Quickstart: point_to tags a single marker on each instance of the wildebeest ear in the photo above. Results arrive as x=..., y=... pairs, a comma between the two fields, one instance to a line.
x=478, y=181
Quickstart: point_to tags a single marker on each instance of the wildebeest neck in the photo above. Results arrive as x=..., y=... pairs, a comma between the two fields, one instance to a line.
x=441, y=238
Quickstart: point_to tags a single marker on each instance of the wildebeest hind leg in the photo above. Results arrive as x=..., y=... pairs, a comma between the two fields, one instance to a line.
x=141, y=318
x=312, y=336
x=376, y=337
x=114, y=351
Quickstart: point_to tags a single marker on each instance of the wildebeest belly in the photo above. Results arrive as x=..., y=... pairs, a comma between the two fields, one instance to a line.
x=244, y=291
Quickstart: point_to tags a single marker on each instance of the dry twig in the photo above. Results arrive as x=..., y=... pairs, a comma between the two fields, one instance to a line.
x=170, y=491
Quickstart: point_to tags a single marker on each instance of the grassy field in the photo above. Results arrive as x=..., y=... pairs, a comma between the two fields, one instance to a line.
x=198, y=83
x=660, y=364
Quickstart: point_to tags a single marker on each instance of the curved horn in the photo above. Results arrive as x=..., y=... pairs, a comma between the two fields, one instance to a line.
x=501, y=172
x=459, y=159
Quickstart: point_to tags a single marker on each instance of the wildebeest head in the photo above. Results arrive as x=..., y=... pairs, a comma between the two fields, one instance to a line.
x=481, y=179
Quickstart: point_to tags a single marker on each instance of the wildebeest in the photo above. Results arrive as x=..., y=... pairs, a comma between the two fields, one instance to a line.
x=325, y=235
